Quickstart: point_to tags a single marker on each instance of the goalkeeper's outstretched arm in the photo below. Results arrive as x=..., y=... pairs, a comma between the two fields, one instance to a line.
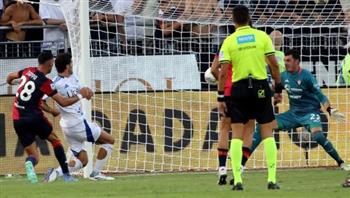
x=315, y=88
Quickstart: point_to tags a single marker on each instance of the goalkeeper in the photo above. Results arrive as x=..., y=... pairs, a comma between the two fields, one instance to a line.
x=305, y=97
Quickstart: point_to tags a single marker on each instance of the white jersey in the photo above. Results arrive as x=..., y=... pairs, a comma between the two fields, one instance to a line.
x=69, y=86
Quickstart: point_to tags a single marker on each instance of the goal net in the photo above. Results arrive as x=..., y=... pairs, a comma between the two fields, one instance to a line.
x=148, y=59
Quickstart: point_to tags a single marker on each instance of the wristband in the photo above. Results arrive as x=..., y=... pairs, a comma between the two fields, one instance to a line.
x=79, y=96
x=221, y=96
x=278, y=88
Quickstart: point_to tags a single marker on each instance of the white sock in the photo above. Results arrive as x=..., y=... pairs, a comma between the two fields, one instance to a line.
x=100, y=163
x=78, y=165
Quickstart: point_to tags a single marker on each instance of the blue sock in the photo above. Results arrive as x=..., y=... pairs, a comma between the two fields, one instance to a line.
x=327, y=146
x=32, y=159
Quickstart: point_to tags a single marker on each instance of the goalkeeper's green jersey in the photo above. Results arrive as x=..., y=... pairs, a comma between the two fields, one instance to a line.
x=344, y=75
x=280, y=59
x=304, y=93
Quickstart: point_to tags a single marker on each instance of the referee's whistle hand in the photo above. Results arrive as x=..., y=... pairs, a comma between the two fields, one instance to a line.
x=222, y=108
x=277, y=98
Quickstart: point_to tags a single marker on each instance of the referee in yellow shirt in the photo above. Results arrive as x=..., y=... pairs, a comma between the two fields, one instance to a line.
x=248, y=50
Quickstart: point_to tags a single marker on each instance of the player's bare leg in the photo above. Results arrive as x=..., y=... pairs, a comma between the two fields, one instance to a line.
x=321, y=139
x=60, y=156
x=106, y=141
x=78, y=162
x=271, y=153
x=225, y=127
x=31, y=161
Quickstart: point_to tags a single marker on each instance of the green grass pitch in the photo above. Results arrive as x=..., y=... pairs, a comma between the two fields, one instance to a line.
x=294, y=183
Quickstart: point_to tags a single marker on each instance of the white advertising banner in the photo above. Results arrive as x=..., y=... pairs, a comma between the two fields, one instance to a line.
x=126, y=73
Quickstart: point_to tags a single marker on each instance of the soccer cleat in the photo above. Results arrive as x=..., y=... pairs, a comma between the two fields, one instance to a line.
x=51, y=175
x=30, y=172
x=273, y=186
x=346, y=184
x=345, y=167
x=238, y=186
x=222, y=175
x=232, y=181
x=222, y=180
x=99, y=176
x=69, y=178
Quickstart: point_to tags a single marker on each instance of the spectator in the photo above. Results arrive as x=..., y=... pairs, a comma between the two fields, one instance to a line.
x=54, y=38
x=1, y=7
x=123, y=7
x=300, y=11
x=1, y=10
x=188, y=10
x=346, y=9
x=17, y=15
x=208, y=11
x=169, y=10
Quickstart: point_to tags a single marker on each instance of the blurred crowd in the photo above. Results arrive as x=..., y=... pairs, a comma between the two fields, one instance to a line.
x=25, y=21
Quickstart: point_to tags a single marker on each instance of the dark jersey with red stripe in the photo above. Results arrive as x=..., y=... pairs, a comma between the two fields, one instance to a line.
x=228, y=84
x=34, y=84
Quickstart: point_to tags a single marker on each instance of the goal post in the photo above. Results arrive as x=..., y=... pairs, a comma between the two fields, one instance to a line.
x=84, y=72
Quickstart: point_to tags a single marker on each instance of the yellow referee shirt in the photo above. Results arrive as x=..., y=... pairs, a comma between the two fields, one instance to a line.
x=246, y=50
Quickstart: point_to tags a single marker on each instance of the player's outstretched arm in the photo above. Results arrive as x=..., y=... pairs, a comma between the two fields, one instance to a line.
x=334, y=113
x=45, y=107
x=63, y=102
x=12, y=78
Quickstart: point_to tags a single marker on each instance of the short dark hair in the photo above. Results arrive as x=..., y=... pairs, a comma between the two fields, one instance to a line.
x=44, y=56
x=61, y=62
x=294, y=53
x=240, y=15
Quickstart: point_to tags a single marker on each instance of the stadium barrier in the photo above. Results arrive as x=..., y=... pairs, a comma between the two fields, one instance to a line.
x=152, y=133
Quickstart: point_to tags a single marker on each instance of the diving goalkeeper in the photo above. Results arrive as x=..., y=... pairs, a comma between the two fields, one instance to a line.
x=305, y=97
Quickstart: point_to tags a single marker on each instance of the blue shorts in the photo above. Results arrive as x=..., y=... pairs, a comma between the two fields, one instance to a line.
x=290, y=120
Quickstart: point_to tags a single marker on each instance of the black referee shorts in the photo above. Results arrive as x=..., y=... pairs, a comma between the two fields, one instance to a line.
x=228, y=106
x=28, y=128
x=251, y=99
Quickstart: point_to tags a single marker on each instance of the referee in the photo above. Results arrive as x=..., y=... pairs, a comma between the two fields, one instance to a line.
x=248, y=50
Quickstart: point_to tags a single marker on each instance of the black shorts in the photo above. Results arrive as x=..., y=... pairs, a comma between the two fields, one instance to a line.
x=251, y=103
x=28, y=129
x=228, y=106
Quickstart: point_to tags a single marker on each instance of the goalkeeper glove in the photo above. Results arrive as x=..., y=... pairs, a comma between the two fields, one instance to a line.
x=334, y=113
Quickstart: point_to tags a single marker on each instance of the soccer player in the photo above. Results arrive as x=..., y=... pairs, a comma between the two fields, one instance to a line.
x=277, y=40
x=28, y=118
x=247, y=50
x=75, y=127
x=346, y=183
x=344, y=74
x=225, y=123
x=305, y=97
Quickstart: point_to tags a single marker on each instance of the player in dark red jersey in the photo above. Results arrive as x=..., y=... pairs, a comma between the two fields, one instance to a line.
x=28, y=118
x=225, y=123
